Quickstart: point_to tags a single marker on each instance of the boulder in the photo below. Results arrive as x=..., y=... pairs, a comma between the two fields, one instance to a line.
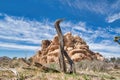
x=75, y=46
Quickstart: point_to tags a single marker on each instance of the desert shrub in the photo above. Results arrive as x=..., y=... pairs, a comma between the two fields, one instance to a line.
x=14, y=58
x=118, y=60
x=94, y=65
x=117, y=65
x=115, y=61
x=53, y=66
x=22, y=77
x=112, y=59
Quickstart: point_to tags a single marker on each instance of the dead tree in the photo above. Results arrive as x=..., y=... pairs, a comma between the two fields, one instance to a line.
x=62, y=51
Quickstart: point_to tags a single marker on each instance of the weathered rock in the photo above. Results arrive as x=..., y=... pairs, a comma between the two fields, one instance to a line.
x=75, y=46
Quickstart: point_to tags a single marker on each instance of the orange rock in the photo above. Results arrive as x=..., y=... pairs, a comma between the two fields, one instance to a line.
x=53, y=47
x=77, y=57
x=72, y=52
x=75, y=46
x=54, y=53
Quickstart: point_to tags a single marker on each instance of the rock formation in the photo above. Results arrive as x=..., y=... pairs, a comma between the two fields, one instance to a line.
x=75, y=46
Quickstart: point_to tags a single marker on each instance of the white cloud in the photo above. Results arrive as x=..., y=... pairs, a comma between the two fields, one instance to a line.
x=100, y=7
x=14, y=32
x=107, y=50
x=109, y=54
x=116, y=5
x=104, y=7
x=102, y=47
x=28, y=40
x=113, y=17
x=17, y=30
x=80, y=26
x=18, y=46
x=24, y=30
x=117, y=30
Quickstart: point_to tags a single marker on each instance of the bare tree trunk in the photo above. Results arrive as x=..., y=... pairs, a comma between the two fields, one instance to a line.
x=61, y=47
x=62, y=51
x=71, y=63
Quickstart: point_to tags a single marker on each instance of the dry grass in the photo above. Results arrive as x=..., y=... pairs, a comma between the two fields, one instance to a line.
x=81, y=75
x=95, y=65
x=86, y=70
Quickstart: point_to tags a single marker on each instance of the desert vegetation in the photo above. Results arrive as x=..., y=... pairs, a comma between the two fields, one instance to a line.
x=109, y=69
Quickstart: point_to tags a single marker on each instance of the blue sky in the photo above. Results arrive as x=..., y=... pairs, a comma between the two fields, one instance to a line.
x=24, y=23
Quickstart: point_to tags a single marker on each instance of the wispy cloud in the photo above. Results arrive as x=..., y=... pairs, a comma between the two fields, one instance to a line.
x=104, y=47
x=113, y=17
x=17, y=31
x=28, y=40
x=117, y=30
x=20, y=30
x=107, y=8
x=101, y=7
x=116, y=5
x=16, y=46
x=109, y=54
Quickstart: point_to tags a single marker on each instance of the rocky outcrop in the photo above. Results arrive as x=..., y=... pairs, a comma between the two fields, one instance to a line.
x=75, y=46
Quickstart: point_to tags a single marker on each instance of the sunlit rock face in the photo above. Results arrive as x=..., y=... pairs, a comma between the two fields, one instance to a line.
x=75, y=46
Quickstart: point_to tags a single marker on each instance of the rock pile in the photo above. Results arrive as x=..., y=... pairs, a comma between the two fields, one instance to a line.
x=75, y=46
